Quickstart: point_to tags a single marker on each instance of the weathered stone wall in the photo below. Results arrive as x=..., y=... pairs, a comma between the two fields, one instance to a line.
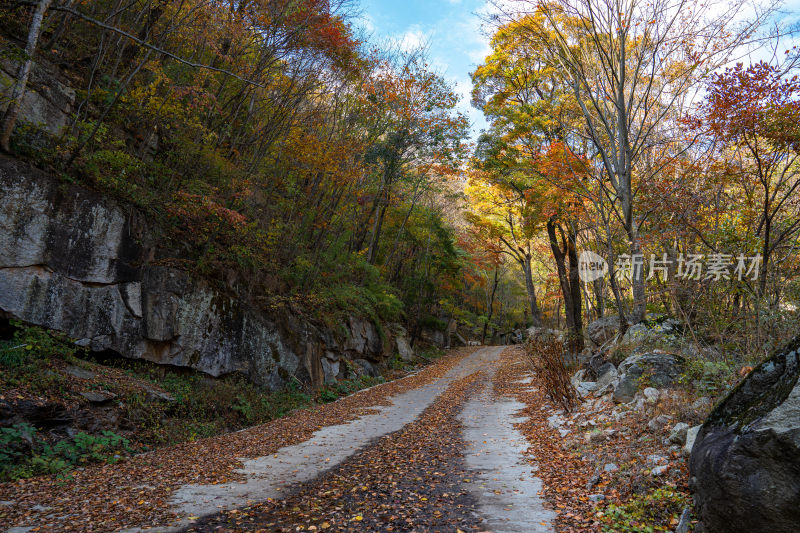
x=77, y=262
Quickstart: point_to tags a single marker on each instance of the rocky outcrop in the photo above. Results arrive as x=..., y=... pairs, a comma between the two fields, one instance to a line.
x=74, y=261
x=656, y=368
x=664, y=331
x=745, y=463
x=603, y=329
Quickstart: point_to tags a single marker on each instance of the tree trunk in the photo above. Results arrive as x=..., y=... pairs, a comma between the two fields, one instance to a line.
x=637, y=284
x=10, y=116
x=490, y=309
x=597, y=288
x=575, y=287
x=762, y=283
x=569, y=281
x=372, y=254
x=536, y=316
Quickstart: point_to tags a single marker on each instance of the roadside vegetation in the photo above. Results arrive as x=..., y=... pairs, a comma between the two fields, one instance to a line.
x=87, y=408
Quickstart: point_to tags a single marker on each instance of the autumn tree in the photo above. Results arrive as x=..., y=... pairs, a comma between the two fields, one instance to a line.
x=753, y=115
x=506, y=204
x=528, y=103
x=631, y=67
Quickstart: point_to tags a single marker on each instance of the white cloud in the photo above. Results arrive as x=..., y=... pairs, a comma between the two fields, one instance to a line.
x=413, y=38
x=366, y=22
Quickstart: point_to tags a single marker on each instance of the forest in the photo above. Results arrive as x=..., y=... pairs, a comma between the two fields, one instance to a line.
x=295, y=162
x=259, y=208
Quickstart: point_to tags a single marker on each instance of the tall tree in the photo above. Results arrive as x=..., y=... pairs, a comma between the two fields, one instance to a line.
x=631, y=66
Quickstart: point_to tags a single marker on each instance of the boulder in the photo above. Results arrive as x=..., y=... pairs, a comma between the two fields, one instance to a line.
x=659, y=470
x=42, y=414
x=658, y=423
x=745, y=463
x=79, y=372
x=153, y=395
x=404, y=349
x=685, y=522
x=661, y=369
x=577, y=378
x=651, y=394
x=585, y=388
x=544, y=334
x=691, y=437
x=98, y=397
x=664, y=332
x=635, y=333
x=626, y=388
x=365, y=368
x=702, y=404
x=603, y=329
x=678, y=433
x=607, y=379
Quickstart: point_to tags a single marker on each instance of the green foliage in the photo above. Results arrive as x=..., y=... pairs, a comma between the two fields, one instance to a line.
x=433, y=322
x=269, y=190
x=24, y=454
x=330, y=393
x=33, y=342
x=202, y=406
x=25, y=358
x=645, y=513
x=710, y=377
x=397, y=363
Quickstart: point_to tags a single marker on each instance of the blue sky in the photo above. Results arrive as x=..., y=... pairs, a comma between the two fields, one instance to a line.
x=452, y=31
x=450, y=28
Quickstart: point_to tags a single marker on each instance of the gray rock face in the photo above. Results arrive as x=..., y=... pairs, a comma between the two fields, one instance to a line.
x=73, y=261
x=603, y=330
x=745, y=463
x=47, y=102
x=365, y=368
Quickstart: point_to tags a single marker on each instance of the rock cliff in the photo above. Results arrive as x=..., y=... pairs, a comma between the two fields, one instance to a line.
x=75, y=261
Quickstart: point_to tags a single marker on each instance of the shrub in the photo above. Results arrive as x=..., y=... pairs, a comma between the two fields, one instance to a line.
x=710, y=377
x=546, y=357
x=25, y=358
x=23, y=453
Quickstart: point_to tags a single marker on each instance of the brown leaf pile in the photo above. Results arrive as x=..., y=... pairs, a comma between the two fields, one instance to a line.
x=136, y=492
